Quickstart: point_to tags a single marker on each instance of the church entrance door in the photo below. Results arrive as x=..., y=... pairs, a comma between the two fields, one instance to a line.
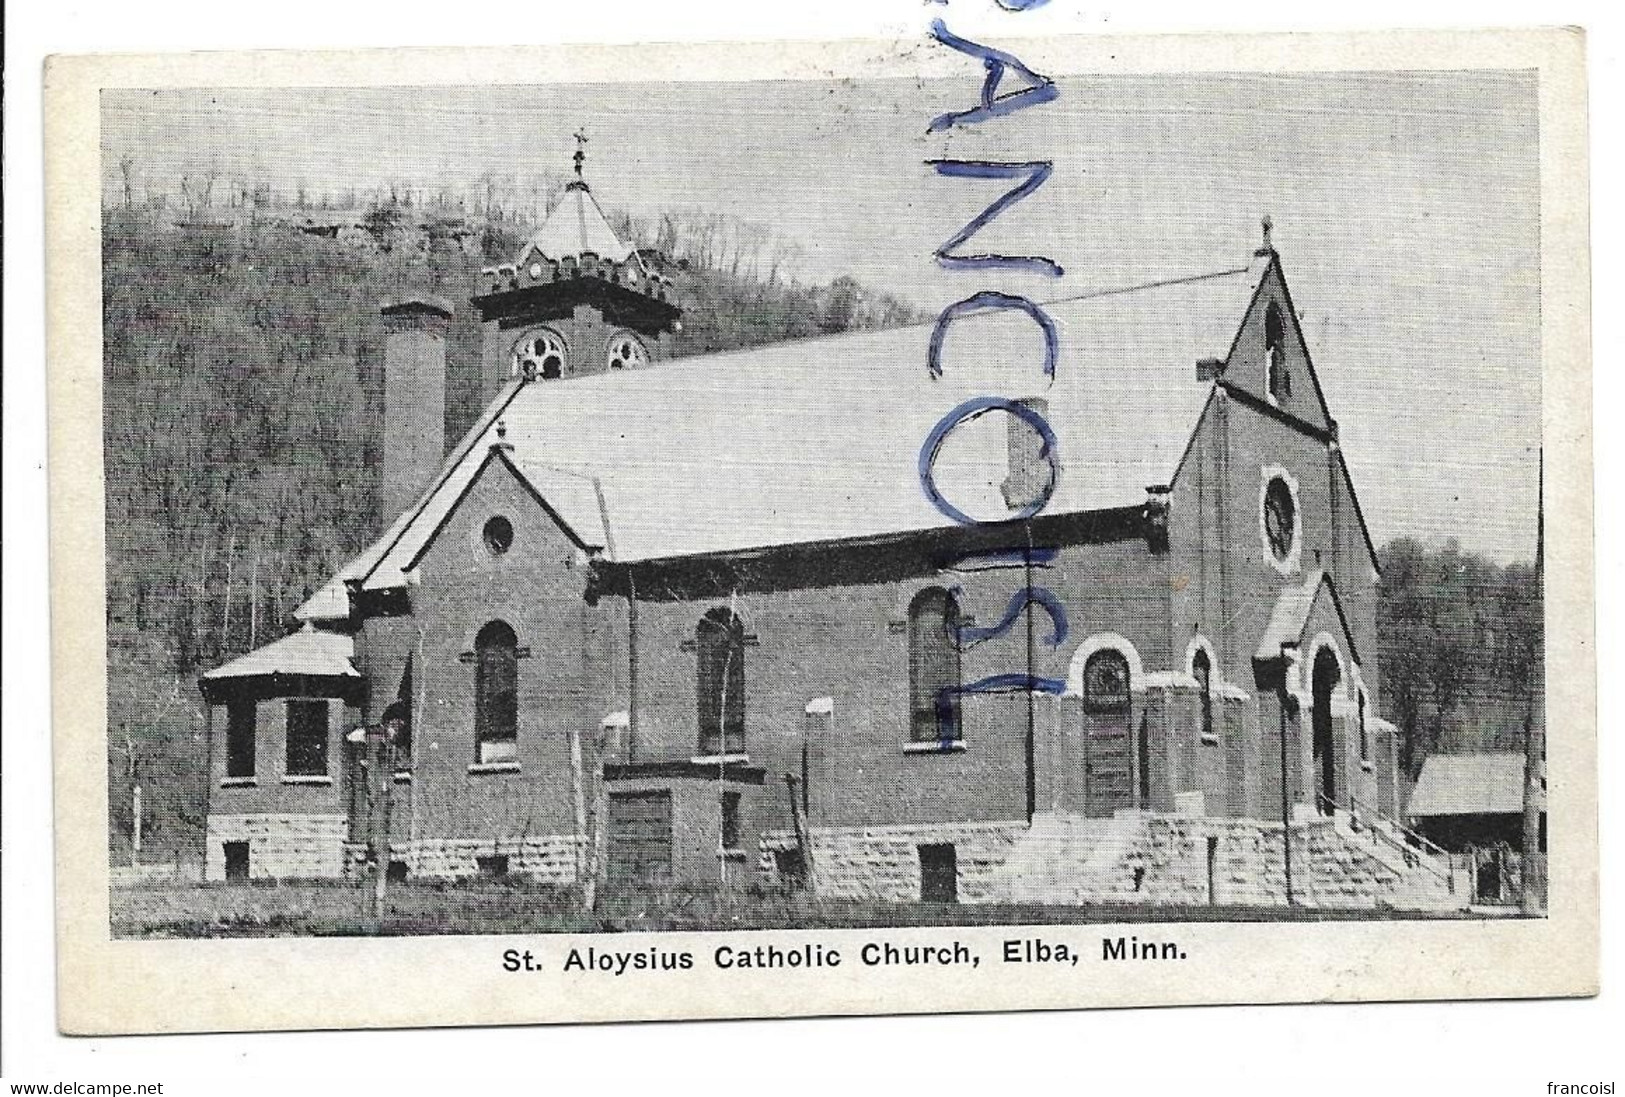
x=1108, y=746
x=1326, y=675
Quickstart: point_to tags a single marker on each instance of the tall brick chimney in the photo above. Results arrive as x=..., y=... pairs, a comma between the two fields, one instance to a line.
x=414, y=399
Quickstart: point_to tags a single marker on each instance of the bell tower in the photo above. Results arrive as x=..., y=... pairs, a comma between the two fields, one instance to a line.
x=577, y=300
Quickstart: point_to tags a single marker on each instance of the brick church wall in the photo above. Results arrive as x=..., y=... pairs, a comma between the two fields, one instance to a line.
x=567, y=681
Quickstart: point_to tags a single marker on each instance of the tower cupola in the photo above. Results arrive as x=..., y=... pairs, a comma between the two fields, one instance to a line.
x=576, y=300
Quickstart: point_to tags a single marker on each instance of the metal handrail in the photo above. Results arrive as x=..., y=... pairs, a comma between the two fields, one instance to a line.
x=1406, y=849
x=1412, y=836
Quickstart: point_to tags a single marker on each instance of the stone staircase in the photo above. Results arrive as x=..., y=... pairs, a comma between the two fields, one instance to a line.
x=1427, y=878
x=1070, y=859
x=1340, y=861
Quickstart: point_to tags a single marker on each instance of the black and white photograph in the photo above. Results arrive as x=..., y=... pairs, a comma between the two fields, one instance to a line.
x=978, y=512
x=594, y=520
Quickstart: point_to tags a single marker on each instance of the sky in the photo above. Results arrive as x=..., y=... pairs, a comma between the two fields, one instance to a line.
x=1405, y=207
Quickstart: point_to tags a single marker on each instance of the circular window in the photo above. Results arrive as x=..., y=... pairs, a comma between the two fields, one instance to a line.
x=540, y=355
x=498, y=535
x=626, y=351
x=1280, y=518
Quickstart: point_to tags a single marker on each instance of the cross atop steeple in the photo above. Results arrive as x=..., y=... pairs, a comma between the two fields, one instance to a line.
x=581, y=150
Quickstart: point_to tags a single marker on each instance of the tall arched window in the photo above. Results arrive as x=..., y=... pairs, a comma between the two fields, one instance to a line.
x=1280, y=381
x=1202, y=670
x=720, y=642
x=496, y=694
x=933, y=667
x=398, y=721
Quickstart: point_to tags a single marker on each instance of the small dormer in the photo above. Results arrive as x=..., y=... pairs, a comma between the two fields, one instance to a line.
x=577, y=299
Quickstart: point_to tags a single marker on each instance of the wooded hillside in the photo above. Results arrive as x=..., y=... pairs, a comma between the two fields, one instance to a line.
x=241, y=397
x=1460, y=643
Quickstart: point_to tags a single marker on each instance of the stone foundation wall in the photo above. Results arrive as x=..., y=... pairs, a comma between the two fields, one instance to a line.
x=1134, y=857
x=279, y=844
x=548, y=859
x=883, y=863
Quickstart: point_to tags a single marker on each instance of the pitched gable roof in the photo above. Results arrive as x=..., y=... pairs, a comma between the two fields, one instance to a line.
x=1270, y=285
x=331, y=601
x=571, y=498
x=1291, y=613
x=819, y=439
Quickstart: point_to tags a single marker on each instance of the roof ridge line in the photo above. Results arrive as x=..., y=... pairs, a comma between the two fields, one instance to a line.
x=831, y=336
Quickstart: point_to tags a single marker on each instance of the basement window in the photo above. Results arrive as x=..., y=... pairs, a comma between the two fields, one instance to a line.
x=790, y=866
x=939, y=874
x=236, y=854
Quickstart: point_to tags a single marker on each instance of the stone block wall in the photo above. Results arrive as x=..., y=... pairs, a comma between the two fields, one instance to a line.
x=883, y=863
x=547, y=859
x=279, y=845
x=1133, y=857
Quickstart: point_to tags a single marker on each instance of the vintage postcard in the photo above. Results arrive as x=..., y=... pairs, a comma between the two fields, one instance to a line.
x=975, y=522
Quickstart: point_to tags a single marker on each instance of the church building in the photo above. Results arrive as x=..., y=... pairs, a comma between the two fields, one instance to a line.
x=690, y=621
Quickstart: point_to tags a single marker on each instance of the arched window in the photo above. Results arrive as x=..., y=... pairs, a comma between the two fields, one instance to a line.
x=496, y=694
x=1202, y=671
x=933, y=667
x=626, y=351
x=720, y=642
x=398, y=720
x=540, y=356
x=1280, y=381
x=1105, y=682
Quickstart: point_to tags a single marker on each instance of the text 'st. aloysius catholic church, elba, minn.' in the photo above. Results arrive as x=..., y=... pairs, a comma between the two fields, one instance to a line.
x=689, y=621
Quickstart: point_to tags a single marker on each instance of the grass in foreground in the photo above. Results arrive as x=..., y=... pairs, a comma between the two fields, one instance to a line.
x=342, y=908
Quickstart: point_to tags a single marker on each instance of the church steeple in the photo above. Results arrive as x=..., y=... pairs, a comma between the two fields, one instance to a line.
x=576, y=300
